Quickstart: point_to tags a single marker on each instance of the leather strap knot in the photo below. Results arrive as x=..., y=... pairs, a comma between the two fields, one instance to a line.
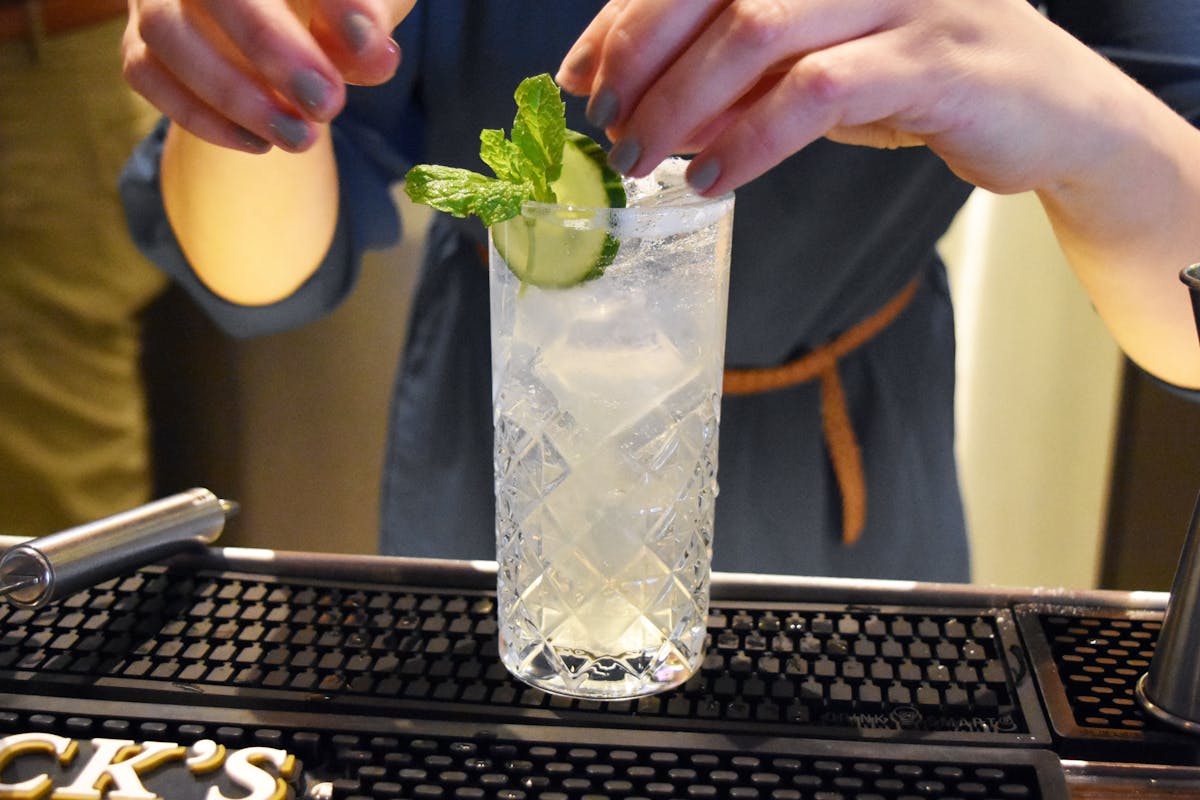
x=838, y=429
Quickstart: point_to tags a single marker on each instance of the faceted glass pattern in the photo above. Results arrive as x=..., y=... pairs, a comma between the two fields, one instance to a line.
x=615, y=607
x=606, y=410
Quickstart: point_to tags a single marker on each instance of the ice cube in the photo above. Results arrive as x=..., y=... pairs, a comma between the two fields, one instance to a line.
x=609, y=376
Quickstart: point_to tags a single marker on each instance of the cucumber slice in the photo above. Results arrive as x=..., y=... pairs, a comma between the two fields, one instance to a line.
x=548, y=254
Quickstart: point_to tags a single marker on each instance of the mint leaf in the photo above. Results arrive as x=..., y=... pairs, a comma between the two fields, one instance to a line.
x=524, y=167
x=539, y=132
x=462, y=193
x=501, y=155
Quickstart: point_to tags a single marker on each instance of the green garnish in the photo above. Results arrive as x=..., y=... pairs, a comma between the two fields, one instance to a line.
x=525, y=166
x=542, y=162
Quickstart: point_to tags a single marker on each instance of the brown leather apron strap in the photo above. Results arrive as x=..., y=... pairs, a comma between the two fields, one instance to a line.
x=838, y=429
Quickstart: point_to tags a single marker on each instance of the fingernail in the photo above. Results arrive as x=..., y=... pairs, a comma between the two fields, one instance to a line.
x=602, y=108
x=577, y=64
x=701, y=177
x=292, y=132
x=311, y=89
x=625, y=155
x=252, y=141
x=393, y=63
x=357, y=28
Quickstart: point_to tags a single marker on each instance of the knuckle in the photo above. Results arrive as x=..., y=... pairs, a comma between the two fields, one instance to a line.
x=154, y=24
x=763, y=137
x=137, y=68
x=820, y=79
x=133, y=72
x=757, y=24
x=259, y=39
x=621, y=47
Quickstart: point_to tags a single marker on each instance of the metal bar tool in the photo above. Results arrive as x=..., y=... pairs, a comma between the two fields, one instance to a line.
x=40, y=571
x=1170, y=690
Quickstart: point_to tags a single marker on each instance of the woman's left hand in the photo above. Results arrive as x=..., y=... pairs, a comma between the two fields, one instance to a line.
x=1002, y=94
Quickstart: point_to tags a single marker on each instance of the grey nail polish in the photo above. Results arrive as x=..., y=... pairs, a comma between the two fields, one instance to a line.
x=602, y=108
x=701, y=177
x=310, y=88
x=292, y=132
x=252, y=141
x=624, y=155
x=579, y=63
x=357, y=28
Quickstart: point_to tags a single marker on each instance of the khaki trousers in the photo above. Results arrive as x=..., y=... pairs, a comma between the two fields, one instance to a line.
x=73, y=423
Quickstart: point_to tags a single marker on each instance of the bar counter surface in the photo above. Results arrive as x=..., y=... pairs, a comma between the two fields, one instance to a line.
x=242, y=673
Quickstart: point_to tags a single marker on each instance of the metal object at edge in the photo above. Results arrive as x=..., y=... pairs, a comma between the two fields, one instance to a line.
x=1170, y=690
x=39, y=571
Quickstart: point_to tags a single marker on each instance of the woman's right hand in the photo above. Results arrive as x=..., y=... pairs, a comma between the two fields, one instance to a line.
x=252, y=74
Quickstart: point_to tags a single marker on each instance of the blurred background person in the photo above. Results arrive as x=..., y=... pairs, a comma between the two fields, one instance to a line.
x=74, y=433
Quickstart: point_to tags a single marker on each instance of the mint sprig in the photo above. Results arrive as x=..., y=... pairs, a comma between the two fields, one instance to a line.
x=524, y=165
x=462, y=193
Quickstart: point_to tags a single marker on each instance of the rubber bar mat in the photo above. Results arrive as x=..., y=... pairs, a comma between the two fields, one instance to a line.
x=955, y=675
x=188, y=753
x=1088, y=661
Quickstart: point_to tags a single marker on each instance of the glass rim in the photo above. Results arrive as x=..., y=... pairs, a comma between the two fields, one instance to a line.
x=694, y=211
x=691, y=201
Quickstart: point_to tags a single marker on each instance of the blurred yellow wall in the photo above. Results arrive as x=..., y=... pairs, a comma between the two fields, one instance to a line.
x=1038, y=388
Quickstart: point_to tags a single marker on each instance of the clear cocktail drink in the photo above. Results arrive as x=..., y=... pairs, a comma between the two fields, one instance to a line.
x=606, y=406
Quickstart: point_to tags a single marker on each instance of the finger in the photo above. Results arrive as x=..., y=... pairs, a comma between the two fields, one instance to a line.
x=228, y=86
x=356, y=36
x=151, y=80
x=851, y=88
x=701, y=138
x=644, y=37
x=578, y=66
x=271, y=37
x=745, y=43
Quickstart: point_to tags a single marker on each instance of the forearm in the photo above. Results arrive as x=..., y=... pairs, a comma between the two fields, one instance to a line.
x=1128, y=224
x=253, y=227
